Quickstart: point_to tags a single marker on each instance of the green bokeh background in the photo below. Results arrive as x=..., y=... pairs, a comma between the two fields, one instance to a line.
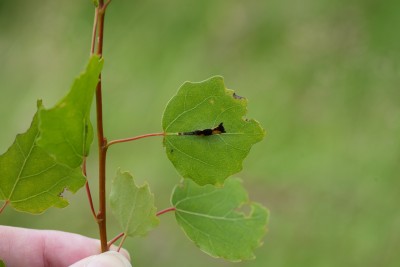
x=321, y=76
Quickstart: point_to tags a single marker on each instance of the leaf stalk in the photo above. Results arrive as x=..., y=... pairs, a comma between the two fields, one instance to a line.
x=115, y=239
x=161, y=212
x=90, y=199
x=133, y=138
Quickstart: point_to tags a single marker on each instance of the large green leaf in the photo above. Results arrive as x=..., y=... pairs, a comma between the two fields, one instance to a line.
x=30, y=179
x=199, y=106
x=133, y=206
x=213, y=219
x=65, y=130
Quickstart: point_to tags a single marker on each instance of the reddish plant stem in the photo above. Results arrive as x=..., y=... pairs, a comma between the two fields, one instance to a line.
x=115, y=239
x=101, y=215
x=122, y=242
x=84, y=167
x=102, y=142
x=4, y=206
x=161, y=212
x=106, y=4
x=88, y=193
x=133, y=138
x=90, y=199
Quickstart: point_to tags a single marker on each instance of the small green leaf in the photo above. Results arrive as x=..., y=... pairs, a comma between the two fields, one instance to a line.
x=212, y=218
x=199, y=106
x=2, y=264
x=65, y=130
x=31, y=180
x=133, y=206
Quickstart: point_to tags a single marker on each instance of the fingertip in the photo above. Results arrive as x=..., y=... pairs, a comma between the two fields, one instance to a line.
x=107, y=259
x=121, y=251
x=125, y=253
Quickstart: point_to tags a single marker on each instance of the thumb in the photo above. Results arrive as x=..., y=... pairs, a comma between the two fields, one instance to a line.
x=107, y=259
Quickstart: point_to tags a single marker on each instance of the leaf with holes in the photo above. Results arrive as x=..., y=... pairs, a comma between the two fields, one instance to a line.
x=213, y=219
x=65, y=130
x=206, y=134
x=133, y=206
x=31, y=180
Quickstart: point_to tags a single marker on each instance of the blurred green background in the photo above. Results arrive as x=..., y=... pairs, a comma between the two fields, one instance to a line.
x=321, y=76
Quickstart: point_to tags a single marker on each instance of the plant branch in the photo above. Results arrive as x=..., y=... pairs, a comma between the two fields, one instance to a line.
x=101, y=215
x=106, y=4
x=115, y=239
x=161, y=212
x=133, y=138
x=102, y=142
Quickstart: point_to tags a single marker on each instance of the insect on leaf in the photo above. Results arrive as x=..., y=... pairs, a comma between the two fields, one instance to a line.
x=31, y=180
x=133, y=206
x=65, y=130
x=206, y=135
x=212, y=218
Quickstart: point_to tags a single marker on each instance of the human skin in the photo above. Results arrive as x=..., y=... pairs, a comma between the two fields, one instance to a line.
x=38, y=248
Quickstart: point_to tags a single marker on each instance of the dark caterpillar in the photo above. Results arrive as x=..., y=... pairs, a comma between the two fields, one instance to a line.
x=206, y=132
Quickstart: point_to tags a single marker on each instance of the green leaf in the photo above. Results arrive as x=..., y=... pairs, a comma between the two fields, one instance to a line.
x=213, y=219
x=2, y=264
x=31, y=180
x=65, y=130
x=133, y=206
x=199, y=106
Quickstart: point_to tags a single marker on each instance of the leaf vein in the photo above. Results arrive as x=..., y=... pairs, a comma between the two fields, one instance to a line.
x=42, y=171
x=186, y=111
x=194, y=197
x=42, y=192
x=227, y=144
x=222, y=112
x=131, y=212
x=23, y=164
x=212, y=217
x=202, y=232
x=189, y=156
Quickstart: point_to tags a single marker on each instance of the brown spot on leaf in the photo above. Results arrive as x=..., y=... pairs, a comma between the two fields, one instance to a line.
x=235, y=96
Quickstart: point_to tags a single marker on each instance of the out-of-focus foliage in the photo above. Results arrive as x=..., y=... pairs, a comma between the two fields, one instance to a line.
x=321, y=76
